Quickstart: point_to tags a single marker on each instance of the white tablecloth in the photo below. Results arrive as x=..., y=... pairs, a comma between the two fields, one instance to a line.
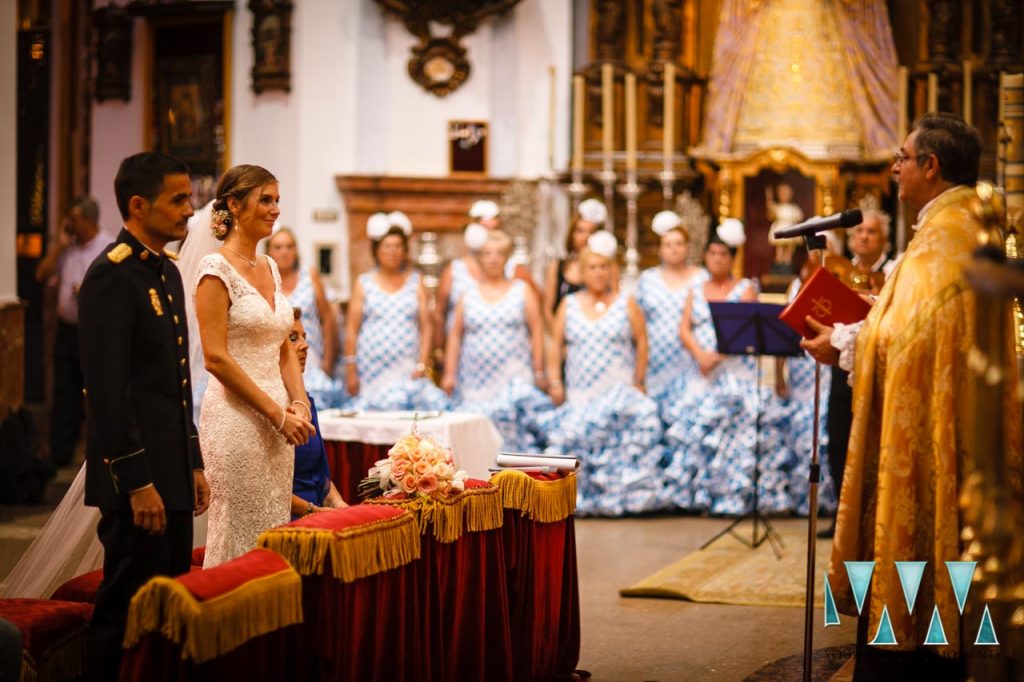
x=474, y=440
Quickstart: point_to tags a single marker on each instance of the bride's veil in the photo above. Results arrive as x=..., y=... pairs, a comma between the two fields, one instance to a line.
x=67, y=546
x=199, y=243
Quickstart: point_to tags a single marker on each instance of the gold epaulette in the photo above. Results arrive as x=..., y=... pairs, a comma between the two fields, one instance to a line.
x=173, y=255
x=119, y=253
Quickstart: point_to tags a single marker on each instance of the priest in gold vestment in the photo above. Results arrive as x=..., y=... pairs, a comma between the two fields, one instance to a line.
x=913, y=412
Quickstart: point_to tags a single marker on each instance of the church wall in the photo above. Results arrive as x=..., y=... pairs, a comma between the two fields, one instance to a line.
x=353, y=109
x=117, y=132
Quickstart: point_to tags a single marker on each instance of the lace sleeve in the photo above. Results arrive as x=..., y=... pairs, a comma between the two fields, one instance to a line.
x=844, y=340
x=214, y=265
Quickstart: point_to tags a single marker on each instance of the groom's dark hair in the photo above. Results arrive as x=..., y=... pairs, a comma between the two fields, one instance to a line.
x=143, y=175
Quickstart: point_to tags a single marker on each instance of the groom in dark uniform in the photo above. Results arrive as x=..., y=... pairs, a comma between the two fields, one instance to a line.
x=144, y=469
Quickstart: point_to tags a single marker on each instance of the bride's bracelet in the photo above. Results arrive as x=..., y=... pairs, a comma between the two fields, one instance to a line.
x=309, y=412
x=284, y=418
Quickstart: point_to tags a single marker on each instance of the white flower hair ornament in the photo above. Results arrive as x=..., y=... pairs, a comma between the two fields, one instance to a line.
x=664, y=221
x=401, y=221
x=377, y=226
x=731, y=232
x=220, y=222
x=475, y=236
x=593, y=211
x=484, y=209
x=603, y=243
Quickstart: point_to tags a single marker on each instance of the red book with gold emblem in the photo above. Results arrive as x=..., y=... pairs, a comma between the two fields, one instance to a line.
x=827, y=300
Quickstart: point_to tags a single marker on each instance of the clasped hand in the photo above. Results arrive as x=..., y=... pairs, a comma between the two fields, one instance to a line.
x=297, y=429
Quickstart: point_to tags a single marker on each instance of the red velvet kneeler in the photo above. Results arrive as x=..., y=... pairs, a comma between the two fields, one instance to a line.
x=364, y=610
x=238, y=620
x=54, y=636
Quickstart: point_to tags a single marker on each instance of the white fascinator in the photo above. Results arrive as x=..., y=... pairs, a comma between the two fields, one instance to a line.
x=593, y=211
x=603, y=243
x=664, y=221
x=731, y=232
x=401, y=221
x=377, y=226
x=484, y=209
x=475, y=236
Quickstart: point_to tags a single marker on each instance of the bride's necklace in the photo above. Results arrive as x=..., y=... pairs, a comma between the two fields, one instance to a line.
x=250, y=261
x=599, y=304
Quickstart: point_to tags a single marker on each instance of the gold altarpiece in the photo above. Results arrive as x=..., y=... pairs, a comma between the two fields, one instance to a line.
x=738, y=188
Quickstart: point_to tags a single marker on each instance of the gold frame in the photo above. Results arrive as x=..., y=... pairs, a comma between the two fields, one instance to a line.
x=486, y=142
x=733, y=172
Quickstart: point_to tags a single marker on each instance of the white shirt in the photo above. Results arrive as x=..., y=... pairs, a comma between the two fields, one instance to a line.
x=74, y=263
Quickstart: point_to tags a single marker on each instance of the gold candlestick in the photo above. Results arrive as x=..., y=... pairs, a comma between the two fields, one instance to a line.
x=578, y=96
x=630, y=122
x=668, y=116
x=607, y=113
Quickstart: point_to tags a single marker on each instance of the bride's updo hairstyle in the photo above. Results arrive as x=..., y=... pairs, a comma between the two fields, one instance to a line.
x=238, y=182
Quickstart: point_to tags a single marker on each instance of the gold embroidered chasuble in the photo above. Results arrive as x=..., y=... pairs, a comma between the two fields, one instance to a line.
x=910, y=441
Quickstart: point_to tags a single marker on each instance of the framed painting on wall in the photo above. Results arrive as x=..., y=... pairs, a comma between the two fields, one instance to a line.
x=185, y=104
x=467, y=147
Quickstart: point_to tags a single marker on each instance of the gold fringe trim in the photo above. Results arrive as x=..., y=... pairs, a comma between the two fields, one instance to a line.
x=355, y=552
x=64, y=661
x=471, y=511
x=205, y=630
x=543, y=501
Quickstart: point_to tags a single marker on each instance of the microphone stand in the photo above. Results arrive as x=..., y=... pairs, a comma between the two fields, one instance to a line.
x=813, y=243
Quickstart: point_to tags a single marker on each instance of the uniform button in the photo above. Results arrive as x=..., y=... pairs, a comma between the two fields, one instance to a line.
x=170, y=298
x=184, y=383
x=163, y=278
x=85, y=392
x=179, y=341
x=144, y=255
x=182, y=362
x=175, y=319
x=184, y=404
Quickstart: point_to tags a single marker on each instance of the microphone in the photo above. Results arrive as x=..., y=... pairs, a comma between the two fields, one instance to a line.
x=847, y=218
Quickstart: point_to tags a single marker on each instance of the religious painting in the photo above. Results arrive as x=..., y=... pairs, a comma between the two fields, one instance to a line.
x=185, y=109
x=271, y=43
x=113, y=27
x=774, y=200
x=467, y=147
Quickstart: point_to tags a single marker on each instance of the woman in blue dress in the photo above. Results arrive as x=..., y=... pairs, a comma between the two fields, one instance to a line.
x=713, y=432
x=388, y=331
x=604, y=418
x=312, y=487
x=494, y=358
x=662, y=292
x=305, y=291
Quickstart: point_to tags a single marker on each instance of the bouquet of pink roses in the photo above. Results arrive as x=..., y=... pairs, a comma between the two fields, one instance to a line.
x=416, y=466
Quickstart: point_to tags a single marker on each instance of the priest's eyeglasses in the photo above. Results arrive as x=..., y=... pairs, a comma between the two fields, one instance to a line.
x=899, y=158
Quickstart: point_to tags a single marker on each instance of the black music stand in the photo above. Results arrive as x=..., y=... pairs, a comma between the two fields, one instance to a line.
x=753, y=329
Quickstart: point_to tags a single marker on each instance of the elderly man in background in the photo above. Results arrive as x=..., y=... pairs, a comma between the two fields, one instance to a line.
x=71, y=251
x=913, y=413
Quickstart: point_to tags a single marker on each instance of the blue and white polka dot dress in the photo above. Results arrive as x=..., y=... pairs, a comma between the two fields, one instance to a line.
x=613, y=428
x=327, y=391
x=388, y=349
x=713, y=433
x=670, y=366
x=495, y=373
x=462, y=282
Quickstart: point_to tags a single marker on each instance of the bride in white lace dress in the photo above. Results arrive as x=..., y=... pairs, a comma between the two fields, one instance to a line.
x=255, y=409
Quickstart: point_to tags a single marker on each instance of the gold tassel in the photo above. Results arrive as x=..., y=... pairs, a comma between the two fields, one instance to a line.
x=543, y=501
x=208, y=629
x=355, y=552
x=471, y=511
